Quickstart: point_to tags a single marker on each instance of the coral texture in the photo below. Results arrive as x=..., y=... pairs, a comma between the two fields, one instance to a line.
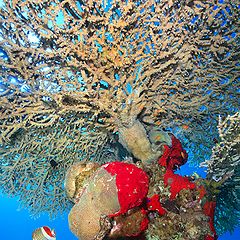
x=72, y=73
x=76, y=178
x=186, y=215
x=131, y=182
x=176, y=183
x=131, y=224
x=99, y=197
x=170, y=206
x=135, y=139
x=224, y=167
x=225, y=157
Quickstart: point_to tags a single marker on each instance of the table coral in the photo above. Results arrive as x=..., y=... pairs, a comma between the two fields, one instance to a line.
x=74, y=74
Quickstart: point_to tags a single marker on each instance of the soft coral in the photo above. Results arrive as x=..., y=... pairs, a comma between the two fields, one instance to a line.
x=176, y=183
x=173, y=156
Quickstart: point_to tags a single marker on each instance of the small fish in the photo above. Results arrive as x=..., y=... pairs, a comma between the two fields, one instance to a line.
x=53, y=163
x=43, y=233
x=157, y=138
x=185, y=127
x=183, y=155
x=196, y=175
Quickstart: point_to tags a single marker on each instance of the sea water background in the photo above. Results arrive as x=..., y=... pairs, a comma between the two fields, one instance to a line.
x=17, y=224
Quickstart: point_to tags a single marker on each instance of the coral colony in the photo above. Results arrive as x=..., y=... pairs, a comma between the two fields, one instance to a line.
x=128, y=201
x=100, y=99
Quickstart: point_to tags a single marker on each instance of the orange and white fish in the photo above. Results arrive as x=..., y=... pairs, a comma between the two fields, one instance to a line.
x=185, y=127
x=44, y=233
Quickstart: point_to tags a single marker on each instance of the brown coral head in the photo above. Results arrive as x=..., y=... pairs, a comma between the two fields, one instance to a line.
x=76, y=178
x=100, y=197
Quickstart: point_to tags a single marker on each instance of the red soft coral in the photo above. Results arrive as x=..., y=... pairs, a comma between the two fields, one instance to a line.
x=173, y=156
x=209, y=209
x=176, y=183
x=132, y=184
x=153, y=204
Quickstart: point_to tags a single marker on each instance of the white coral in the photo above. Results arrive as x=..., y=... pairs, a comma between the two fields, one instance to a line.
x=226, y=154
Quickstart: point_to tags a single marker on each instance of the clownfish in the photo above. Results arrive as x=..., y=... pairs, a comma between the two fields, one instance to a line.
x=43, y=233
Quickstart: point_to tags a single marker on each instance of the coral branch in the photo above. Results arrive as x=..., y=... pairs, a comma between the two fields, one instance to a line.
x=224, y=167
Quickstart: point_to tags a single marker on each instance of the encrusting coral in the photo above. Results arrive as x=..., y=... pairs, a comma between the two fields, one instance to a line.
x=77, y=75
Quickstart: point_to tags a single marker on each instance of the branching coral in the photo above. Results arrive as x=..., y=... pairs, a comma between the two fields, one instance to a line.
x=224, y=164
x=34, y=163
x=225, y=158
x=73, y=72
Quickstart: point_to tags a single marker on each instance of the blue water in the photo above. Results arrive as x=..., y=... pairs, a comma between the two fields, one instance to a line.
x=19, y=225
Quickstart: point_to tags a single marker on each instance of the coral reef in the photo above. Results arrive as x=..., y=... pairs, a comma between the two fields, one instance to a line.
x=76, y=74
x=224, y=167
x=147, y=201
x=112, y=190
x=184, y=201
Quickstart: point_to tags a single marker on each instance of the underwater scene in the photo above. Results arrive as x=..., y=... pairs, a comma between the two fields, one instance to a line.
x=119, y=119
